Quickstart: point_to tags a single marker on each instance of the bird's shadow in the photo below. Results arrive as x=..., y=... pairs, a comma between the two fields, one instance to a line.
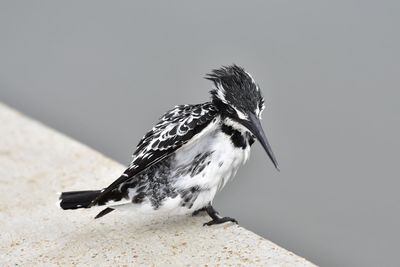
x=128, y=237
x=140, y=229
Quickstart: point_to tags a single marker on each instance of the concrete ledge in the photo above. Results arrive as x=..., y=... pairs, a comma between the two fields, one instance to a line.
x=36, y=162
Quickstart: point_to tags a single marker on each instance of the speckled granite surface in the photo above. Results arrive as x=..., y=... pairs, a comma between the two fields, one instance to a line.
x=37, y=162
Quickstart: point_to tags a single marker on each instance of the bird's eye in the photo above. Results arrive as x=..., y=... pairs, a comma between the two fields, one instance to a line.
x=230, y=110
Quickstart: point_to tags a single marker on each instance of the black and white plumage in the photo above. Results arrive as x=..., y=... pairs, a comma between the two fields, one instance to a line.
x=189, y=155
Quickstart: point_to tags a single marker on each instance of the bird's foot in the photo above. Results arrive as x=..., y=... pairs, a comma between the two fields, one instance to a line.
x=220, y=220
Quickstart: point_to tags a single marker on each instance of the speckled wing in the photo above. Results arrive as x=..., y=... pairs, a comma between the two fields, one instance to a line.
x=176, y=128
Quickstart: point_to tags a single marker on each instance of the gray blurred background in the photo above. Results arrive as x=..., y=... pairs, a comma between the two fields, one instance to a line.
x=103, y=72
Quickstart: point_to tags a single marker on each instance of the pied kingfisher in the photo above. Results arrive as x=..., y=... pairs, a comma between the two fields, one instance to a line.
x=189, y=155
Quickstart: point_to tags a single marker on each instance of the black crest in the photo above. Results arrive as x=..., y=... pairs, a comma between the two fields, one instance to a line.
x=236, y=88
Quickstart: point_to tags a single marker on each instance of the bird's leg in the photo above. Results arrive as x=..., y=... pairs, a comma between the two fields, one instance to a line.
x=216, y=219
x=196, y=212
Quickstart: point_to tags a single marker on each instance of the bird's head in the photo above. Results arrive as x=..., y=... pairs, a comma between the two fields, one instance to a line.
x=239, y=99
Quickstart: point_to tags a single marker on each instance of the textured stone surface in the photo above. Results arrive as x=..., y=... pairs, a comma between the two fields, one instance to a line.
x=37, y=162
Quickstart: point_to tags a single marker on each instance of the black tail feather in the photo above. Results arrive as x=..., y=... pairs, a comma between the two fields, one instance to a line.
x=77, y=199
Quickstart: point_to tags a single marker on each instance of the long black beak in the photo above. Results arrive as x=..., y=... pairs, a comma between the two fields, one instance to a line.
x=254, y=125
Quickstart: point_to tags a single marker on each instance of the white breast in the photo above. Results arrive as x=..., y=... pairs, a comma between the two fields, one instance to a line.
x=225, y=162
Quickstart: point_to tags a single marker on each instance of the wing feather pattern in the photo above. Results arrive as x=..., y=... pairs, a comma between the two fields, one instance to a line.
x=176, y=128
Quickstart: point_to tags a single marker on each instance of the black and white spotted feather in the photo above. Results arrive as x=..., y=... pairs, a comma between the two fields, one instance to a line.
x=174, y=129
x=177, y=127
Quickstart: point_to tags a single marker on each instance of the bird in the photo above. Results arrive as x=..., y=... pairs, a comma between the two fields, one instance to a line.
x=189, y=155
